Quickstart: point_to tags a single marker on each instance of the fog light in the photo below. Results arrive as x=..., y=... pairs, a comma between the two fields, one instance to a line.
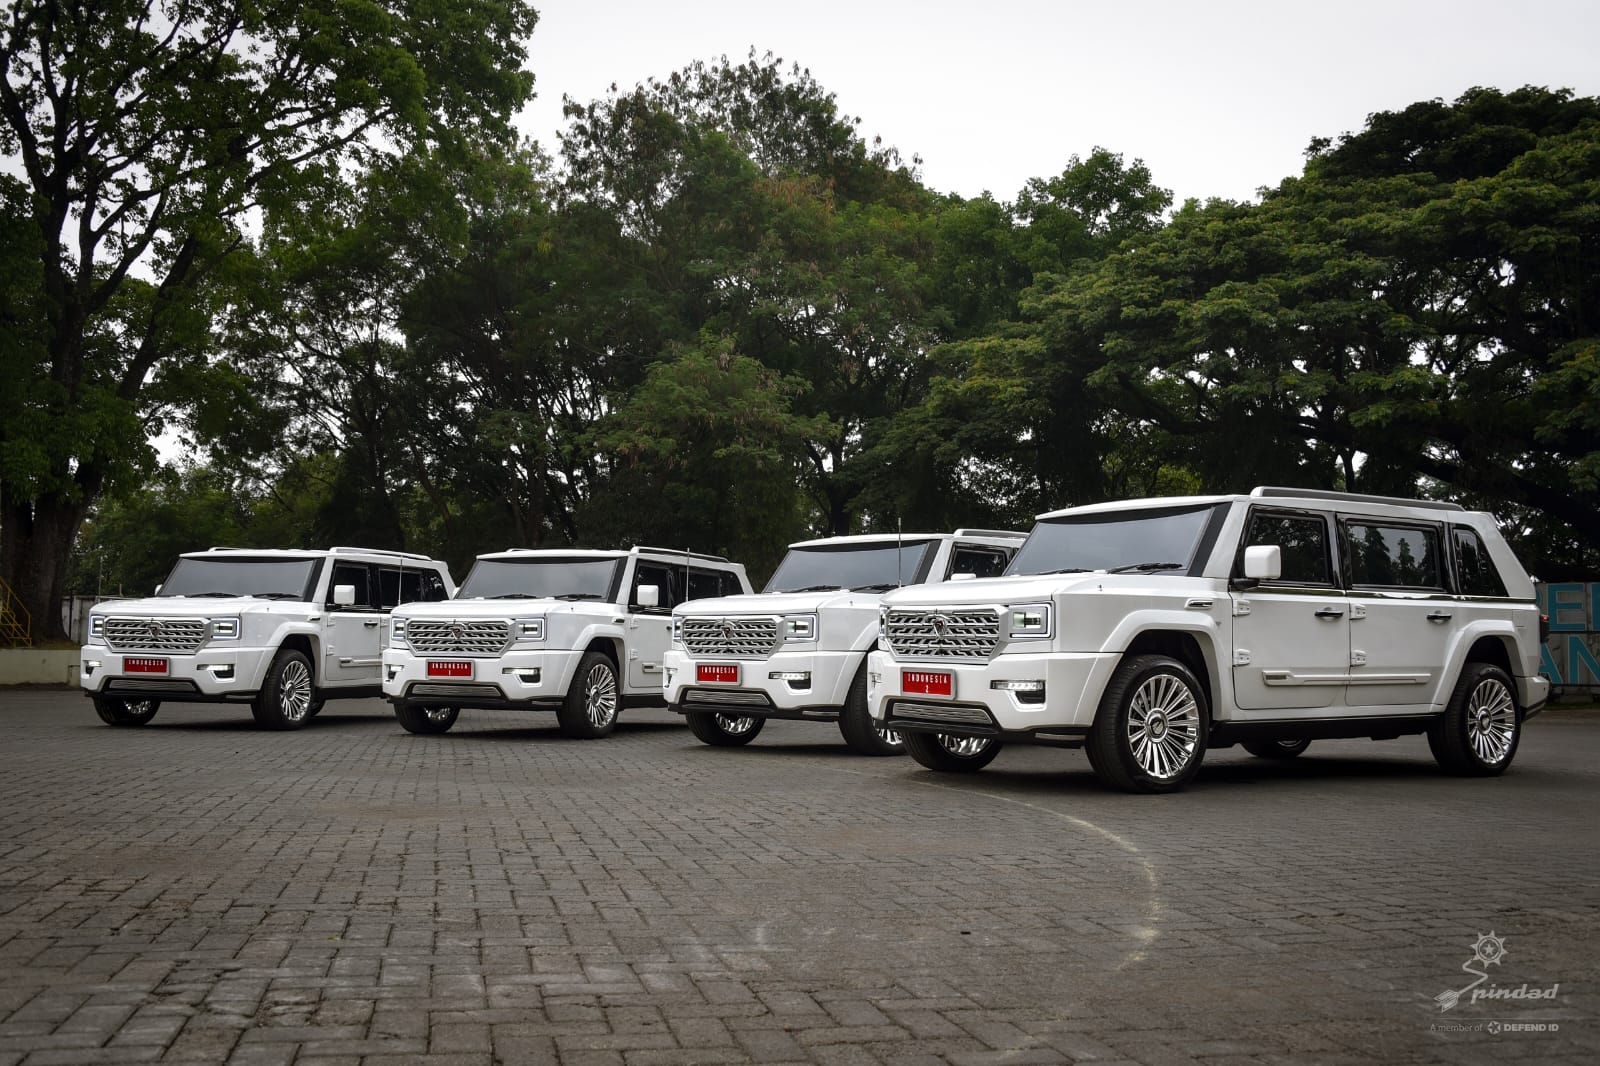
x=390, y=672
x=528, y=675
x=91, y=665
x=1026, y=691
x=221, y=671
x=791, y=675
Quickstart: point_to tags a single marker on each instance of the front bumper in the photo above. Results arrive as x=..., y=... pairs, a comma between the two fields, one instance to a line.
x=516, y=680
x=828, y=676
x=210, y=675
x=1065, y=705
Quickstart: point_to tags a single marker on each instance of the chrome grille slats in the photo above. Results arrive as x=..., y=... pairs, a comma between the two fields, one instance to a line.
x=453, y=636
x=744, y=636
x=734, y=698
x=942, y=632
x=943, y=713
x=179, y=635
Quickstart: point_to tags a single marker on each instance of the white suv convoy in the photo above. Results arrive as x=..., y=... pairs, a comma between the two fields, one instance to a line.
x=1146, y=631
x=280, y=629
x=581, y=633
x=799, y=650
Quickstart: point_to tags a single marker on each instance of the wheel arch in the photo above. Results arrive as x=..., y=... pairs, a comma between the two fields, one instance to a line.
x=1188, y=648
x=306, y=645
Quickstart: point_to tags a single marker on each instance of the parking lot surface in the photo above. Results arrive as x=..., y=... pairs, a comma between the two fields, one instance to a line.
x=198, y=890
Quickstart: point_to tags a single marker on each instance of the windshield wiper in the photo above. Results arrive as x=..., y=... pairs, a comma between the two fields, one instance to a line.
x=213, y=595
x=816, y=588
x=881, y=586
x=1066, y=570
x=276, y=595
x=512, y=596
x=1144, y=567
x=578, y=596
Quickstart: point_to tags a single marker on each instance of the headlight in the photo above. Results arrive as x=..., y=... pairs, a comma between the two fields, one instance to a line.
x=677, y=629
x=397, y=632
x=97, y=627
x=527, y=629
x=1030, y=621
x=224, y=629
x=799, y=627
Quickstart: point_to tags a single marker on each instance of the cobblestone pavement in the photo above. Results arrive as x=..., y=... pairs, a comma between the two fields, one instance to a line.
x=201, y=891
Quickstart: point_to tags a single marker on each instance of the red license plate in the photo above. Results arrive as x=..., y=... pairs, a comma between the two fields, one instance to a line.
x=924, y=683
x=717, y=673
x=144, y=666
x=449, y=668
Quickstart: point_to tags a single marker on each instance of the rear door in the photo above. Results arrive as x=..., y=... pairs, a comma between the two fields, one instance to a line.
x=1402, y=616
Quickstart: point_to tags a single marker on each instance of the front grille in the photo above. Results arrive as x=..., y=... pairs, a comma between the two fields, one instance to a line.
x=951, y=633
x=451, y=637
x=741, y=699
x=943, y=713
x=461, y=690
x=181, y=635
x=753, y=638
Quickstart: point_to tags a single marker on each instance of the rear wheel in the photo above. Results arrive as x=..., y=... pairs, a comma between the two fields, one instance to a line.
x=589, y=710
x=426, y=718
x=1478, y=733
x=954, y=755
x=861, y=734
x=724, y=730
x=287, y=695
x=115, y=711
x=1276, y=749
x=1149, y=734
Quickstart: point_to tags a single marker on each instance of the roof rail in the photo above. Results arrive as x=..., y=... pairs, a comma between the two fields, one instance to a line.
x=345, y=549
x=989, y=533
x=679, y=552
x=1353, y=497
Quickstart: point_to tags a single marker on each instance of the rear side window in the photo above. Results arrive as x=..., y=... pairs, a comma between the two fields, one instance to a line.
x=1386, y=554
x=408, y=586
x=1475, y=572
x=706, y=584
x=981, y=562
x=1302, y=541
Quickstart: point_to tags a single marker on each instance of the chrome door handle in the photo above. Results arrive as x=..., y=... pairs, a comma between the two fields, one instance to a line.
x=1440, y=616
x=1329, y=612
x=371, y=623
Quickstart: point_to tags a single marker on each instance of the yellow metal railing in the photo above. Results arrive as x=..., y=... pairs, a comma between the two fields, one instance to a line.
x=16, y=624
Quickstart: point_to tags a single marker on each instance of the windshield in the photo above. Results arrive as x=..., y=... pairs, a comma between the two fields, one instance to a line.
x=285, y=579
x=1143, y=539
x=575, y=579
x=875, y=565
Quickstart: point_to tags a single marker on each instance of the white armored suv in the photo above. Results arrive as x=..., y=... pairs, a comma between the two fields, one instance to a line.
x=1146, y=631
x=799, y=649
x=282, y=630
x=581, y=633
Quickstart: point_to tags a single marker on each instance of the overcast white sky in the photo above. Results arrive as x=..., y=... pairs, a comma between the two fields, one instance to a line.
x=1218, y=97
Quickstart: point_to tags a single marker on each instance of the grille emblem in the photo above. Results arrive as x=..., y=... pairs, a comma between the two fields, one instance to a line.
x=154, y=629
x=458, y=632
x=941, y=625
x=726, y=629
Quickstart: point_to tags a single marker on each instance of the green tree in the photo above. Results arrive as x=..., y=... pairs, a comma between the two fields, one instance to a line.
x=144, y=145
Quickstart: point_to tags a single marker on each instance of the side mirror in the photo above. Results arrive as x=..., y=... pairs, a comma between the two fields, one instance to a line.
x=649, y=595
x=157, y=592
x=1263, y=562
x=344, y=595
x=963, y=577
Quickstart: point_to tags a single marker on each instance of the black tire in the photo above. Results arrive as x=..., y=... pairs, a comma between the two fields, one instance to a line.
x=116, y=711
x=589, y=709
x=1276, y=749
x=1478, y=734
x=861, y=734
x=1149, y=734
x=950, y=754
x=316, y=707
x=724, y=730
x=426, y=718
x=287, y=694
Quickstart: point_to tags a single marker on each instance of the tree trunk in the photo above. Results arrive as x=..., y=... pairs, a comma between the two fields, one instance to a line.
x=36, y=539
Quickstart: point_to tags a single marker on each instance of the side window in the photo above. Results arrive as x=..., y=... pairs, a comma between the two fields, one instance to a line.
x=1302, y=541
x=705, y=584
x=433, y=587
x=357, y=574
x=1475, y=572
x=1393, y=555
x=982, y=562
x=660, y=576
x=407, y=586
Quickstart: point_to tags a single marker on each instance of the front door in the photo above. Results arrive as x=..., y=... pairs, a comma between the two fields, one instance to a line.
x=650, y=628
x=351, y=651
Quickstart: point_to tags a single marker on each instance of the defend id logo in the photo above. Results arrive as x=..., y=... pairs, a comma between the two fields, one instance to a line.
x=1489, y=950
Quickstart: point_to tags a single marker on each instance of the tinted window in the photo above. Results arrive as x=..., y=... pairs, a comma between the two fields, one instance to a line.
x=870, y=565
x=1301, y=539
x=1112, y=539
x=705, y=584
x=407, y=586
x=1393, y=555
x=357, y=574
x=659, y=576
x=981, y=562
x=573, y=579
x=1475, y=572
x=284, y=579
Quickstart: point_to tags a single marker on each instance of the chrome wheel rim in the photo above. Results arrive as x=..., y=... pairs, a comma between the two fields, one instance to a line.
x=736, y=725
x=1491, y=721
x=600, y=695
x=294, y=691
x=435, y=712
x=966, y=747
x=890, y=737
x=1163, y=726
x=138, y=708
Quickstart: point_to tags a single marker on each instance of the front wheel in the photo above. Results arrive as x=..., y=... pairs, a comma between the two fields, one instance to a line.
x=1149, y=734
x=114, y=711
x=287, y=694
x=724, y=730
x=589, y=710
x=861, y=734
x=1479, y=731
x=1276, y=749
x=953, y=755
x=426, y=718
